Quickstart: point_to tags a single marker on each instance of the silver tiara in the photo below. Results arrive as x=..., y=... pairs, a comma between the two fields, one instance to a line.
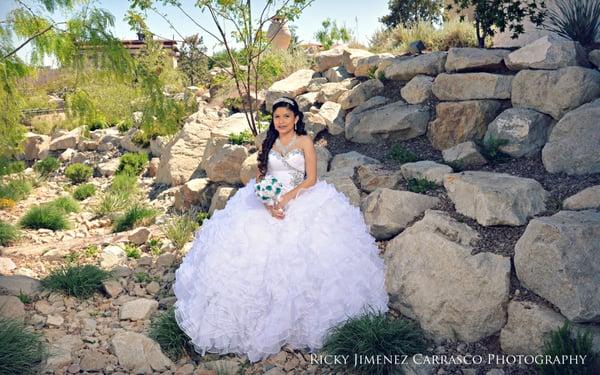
x=285, y=100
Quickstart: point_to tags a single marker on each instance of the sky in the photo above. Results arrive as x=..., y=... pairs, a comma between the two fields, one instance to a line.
x=360, y=16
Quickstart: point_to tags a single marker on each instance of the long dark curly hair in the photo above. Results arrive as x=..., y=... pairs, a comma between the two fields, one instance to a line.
x=272, y=133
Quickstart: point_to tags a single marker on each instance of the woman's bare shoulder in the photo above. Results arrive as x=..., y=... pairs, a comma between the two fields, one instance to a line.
x=305, y=140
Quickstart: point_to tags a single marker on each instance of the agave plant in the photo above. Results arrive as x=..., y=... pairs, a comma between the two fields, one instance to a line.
x=578, y=20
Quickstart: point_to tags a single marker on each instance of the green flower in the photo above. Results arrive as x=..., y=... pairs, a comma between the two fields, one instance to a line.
x=269, y=188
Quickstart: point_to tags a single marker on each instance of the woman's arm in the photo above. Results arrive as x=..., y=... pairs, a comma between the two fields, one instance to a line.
x=310, y=165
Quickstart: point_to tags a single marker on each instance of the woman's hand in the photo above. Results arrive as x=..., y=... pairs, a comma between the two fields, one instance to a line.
x=283, y=201
x=276, y=212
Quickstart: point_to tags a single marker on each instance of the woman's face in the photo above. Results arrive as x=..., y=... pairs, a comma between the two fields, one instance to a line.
x=284, y=120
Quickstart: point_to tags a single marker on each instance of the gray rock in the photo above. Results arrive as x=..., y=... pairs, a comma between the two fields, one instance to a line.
x=417, y=90
x=405, y=68
x=553, y=258
x=495, y=198
x=328, y=59
x=225, y=164
x=525, y=131
x=555, y=92
x=111, y=256
x=432, y=277
x=375, y=101
x=367, y=65
x=464, y=155
x=594, y=57
x=426, y=169
x=334, y=117
x=351, y=159
x=15, y=285
x=469, y=86
x=574, y=141
x=305, y=101
x=220, y=198
x=360, y=93
x=336, y=74
x=585, y=199
x=138, y=309
x=548, y=52
x=36, y=146
x=395, y=121
x=138, y=353
x=12, y=307
x=458, y=122
x=387, y=211
x=291, y=86
x=351, y=56
x=527, y=327
x=372, y=176
x=471, y=59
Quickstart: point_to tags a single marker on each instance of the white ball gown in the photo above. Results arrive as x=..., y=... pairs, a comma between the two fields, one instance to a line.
x=252, y=283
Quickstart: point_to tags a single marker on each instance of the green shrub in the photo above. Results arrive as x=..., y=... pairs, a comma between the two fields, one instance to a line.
x=490, y=149
x=241, y=138
x=134, y=216
x=167, y=333
x=91, y=251
x=112, y=202
x=124, y=126
x=402, y=155
x=46, y=166
x=21, y=350
x=8, y=233
x=561, y=342
x=24, y=298
x=65, y=203
x=125, y=184
x=97, y=124
x=373, y=334
x=45, y=216
x=78, y=173
x=16, y=189
x=420, y=185
x=132, y=251
x=84, y=191
x=132, y=163
x=9, y=166
x=180, y=230
x=78, y=281
x=201, y=216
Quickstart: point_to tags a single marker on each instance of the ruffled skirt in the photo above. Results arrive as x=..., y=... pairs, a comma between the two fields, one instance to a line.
x=252, y=283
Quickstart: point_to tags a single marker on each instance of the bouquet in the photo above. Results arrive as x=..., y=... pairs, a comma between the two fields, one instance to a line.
x=268, y=190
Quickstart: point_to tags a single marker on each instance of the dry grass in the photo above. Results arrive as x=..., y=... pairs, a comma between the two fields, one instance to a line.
x=452, y=34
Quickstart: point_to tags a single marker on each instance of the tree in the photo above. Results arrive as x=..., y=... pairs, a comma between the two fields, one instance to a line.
x=410, y=12
x=31, y=22
x=247, y=32
x=331, y=33
x=193, y=61
x=498, y=15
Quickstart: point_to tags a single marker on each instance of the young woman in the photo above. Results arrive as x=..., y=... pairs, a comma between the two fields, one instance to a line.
x=258, y=277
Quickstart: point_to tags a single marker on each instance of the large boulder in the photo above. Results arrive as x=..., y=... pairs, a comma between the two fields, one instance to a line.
x=594, y=57
x=475, y=59
x=314, y=123
x=372, y=176
x=555, y=92
x=195, y=192
x=323, y=158
x=65, y=141
x=587, y=198
x=291, y=86
x=365, y=66
x=350, y=58
x=395, y=121
x=305, y=101
x=555, y=258
x=17, y=284
x=457, y=122
x=334, y=116
x=527, y=327
x=225, y=165
x=328, y=59
x=524, y=130
x=464, y=155
x=220, y=198
x=388, y=211
x=548, y=52
x=332, y=91
x=573, y=144
x=376, y=101
x=138, y=354
x=427, y=170
x=468, y=86
x=417, y=90
x=182, y=156
x=344, y=184
x=36, y=146
x=360, y=93
x=249, y=168
x=495, y=198
x=404, y=68
x=432, y=277
x=351, y=159
x=336, y=74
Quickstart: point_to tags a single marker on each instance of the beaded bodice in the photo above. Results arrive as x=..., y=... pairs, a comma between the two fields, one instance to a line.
x=289, y=168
